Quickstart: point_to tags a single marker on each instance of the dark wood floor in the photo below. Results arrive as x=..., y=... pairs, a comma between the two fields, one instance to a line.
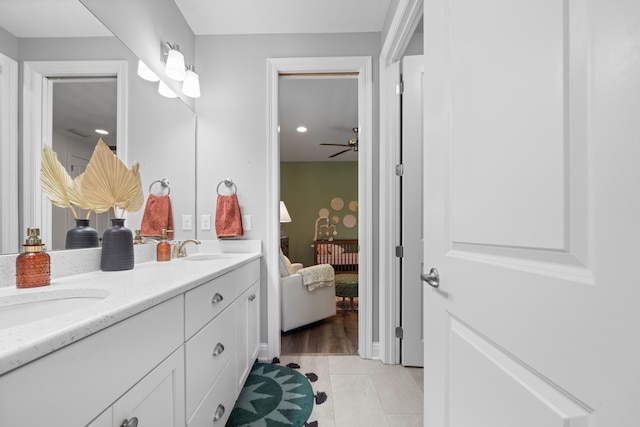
x=335, y=335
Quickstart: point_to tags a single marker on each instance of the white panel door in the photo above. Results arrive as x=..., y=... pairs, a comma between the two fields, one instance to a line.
x=531, y=213
x=412, y=213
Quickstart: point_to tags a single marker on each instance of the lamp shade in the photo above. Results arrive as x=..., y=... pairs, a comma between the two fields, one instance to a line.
x=146, y=73
x=191, y=84
x=165, y=90
x=175, y=64
x=284, y=213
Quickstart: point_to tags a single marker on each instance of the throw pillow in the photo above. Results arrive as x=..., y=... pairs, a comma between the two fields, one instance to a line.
x=285, y=270
x=289, y=266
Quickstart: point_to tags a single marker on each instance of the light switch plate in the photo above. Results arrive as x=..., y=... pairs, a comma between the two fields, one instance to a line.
x=186, y=223
x=246, y=222
x=205, y=222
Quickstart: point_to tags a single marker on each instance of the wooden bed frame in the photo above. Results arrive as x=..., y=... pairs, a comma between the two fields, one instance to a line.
x=341, y=254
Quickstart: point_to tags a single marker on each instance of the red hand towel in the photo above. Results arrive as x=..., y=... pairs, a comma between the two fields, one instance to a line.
x=228, y=217
x=157, y=215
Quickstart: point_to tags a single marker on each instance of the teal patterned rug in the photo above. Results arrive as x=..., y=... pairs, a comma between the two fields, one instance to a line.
x=273, y=396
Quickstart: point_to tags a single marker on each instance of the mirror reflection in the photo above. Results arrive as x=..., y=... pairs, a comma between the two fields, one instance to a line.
x=83, y=109
x=157, y=132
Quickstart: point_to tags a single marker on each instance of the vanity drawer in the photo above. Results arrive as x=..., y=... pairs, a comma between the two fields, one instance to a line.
x=207, y=353
x=221, y=398
x=246, y=276
x=207, y=301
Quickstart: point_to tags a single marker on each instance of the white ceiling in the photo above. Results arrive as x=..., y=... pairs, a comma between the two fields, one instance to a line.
x=328, y=107
x=283, y=16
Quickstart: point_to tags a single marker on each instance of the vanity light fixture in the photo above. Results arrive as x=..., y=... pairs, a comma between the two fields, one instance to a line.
x=191, y=84
x=174, y=67
x=301, y=129
x=145, y=72
x=165, y=91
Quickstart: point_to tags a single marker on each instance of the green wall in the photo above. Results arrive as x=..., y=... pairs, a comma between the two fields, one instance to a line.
x=307, y=187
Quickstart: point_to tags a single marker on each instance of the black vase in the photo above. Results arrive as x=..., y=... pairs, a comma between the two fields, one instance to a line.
x=82, y=236
x=117, y=247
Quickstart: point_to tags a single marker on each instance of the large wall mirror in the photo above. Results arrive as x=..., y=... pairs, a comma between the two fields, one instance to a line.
x=157, y=132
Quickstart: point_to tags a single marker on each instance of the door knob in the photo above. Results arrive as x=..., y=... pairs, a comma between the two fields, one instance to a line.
x=432, y=279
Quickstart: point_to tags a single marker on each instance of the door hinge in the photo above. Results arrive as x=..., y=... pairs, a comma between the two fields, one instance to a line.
x=400, y=88
x=399, y=332
x=400, y=169
x=399, y=251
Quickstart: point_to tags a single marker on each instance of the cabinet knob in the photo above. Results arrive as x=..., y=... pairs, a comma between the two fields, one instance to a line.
x=218, y=350
x=216, y=298
x=133, y=422
x=219, y=412
x=252, y=297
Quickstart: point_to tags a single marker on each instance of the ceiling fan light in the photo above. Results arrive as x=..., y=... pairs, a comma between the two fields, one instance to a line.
x=145, y=72
x=175, y=69
x=165, y=90
x=191, y=85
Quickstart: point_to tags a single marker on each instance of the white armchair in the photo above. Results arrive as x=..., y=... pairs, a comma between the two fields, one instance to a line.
x=298, y=306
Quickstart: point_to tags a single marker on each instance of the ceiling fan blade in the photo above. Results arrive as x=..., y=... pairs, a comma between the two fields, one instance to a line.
x=336, y=145
x=340, y=152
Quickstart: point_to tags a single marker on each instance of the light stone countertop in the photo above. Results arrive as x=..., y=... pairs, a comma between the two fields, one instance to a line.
x=127, y=293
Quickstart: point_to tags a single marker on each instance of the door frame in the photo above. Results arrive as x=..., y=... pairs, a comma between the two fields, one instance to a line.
x=355, y=64
x=9, y=242
x=405, y=20
x=37, y=118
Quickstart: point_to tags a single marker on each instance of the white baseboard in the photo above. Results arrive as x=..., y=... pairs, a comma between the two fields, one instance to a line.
x=263, y=353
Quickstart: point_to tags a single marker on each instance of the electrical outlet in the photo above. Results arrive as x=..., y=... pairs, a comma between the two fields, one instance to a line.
x=186, y=222
x=246, y=222
x=205, y=222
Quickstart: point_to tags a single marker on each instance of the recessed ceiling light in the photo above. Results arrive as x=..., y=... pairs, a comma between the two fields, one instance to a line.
x=301, y=129
x=102, y=132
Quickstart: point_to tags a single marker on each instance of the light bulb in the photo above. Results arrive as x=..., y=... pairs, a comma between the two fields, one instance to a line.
x=191, y=85
x=175, y=65
x=146, y=73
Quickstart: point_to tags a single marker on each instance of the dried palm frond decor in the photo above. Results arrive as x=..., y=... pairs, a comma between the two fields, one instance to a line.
x=107, y=184
x=66, y=193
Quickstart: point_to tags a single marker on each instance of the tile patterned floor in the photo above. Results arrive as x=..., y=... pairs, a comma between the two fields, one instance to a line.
x=363, y=393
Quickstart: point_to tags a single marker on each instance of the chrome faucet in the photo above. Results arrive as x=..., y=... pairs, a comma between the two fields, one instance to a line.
x=180, y=250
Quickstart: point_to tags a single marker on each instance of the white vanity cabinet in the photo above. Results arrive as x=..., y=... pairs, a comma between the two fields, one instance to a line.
x=157, y=400
x=181, y=362
x=217, y=327
x=248, y=327
x=73, y=385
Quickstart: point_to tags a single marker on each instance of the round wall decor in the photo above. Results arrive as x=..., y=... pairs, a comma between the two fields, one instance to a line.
x=337, y=203
x=353, y=206
x=324, y=212
x=349, y=221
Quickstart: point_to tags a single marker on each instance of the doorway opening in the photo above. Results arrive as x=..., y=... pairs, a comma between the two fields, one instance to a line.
x=318, y=118
x=37, y=118
x=84, y=109
x=363, y=68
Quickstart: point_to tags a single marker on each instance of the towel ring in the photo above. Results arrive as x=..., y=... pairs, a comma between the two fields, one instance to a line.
x=164, y=183
x=229, y=184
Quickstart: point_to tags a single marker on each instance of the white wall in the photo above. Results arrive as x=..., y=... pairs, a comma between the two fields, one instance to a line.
x=232, y=119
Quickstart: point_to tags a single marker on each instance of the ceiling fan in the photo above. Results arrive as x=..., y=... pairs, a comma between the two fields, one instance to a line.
x=352, y=144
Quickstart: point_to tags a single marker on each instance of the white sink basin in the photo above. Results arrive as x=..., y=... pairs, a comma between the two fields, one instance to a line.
x=207, y=257
x=22, y=308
